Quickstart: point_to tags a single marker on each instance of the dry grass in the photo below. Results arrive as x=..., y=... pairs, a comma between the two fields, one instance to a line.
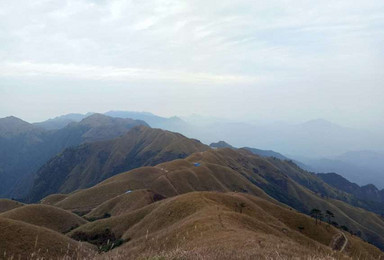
x=45, y=216
x=53, y=199
x=7, y=204
x=208, y=225
x=19, y=240
x=224, y=170
x=197, y=225
x=125, y=203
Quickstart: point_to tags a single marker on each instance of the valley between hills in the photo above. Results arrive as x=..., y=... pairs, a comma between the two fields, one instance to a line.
x=114, y=188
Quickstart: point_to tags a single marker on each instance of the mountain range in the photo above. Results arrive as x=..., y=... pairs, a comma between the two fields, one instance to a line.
x=266, y=180
x=88, y=164
x=25, y=147
x=107, y=183
x=363, y=167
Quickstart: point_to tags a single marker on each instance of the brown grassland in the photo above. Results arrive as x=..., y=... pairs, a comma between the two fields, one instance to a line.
x=45, y=216
x=7, y=204
x=20, y=240
x=231, y=205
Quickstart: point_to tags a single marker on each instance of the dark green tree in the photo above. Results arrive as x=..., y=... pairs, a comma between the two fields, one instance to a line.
x=329, y=215
x=316, y=213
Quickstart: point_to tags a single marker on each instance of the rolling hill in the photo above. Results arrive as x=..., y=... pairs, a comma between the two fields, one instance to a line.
x=45, y=216
x=25, y=147
x=6, y=204
x=227, y=170
x=212, y=225
x=89, y=164
x=20, y=240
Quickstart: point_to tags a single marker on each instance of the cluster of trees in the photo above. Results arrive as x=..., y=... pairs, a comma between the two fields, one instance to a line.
x=328, y=216
x=318, y=215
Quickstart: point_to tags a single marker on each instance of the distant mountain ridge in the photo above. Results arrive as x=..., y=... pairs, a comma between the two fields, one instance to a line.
x=263, y=153
x=221, y=144
x=367, y=192
x=167, y=123
x=11, y=126
x=25, y=147
x=361, y=167
x=61, y=121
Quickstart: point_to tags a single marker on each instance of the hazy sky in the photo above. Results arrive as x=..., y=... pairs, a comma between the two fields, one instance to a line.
x=253, y=60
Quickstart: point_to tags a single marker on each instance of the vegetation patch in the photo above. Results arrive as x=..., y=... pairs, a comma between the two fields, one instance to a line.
x=91, y=219
x=105, y=240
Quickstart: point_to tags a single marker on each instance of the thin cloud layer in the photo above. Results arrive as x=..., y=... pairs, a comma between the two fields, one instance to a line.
x=323, y=51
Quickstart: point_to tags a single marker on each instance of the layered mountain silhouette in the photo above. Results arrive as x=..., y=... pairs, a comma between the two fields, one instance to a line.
x=367, y=192
x=362, y=167
x=24, y=147
x=172, y=123
x=115, y=185
x=89, y=164
x=61, y=121
x=263, y=153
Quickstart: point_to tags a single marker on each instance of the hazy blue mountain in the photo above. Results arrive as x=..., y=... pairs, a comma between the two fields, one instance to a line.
x=266, y=153
x=260, y=152
x=12, y=126
x=171, y=123
x=362, y=167
x=61, y=121
x=315, y=138
x=367, y=192
x=263, y=153
x=221, y=144
x=24, y=147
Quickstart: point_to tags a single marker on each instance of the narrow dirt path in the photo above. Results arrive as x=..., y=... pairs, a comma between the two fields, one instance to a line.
x=339, y=242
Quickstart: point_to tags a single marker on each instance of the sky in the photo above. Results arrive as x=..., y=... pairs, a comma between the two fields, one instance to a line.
x=275, y=60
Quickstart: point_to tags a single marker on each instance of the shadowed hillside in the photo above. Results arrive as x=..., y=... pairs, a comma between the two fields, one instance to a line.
x=361, y=167
x=25, y=147
x=367, y=192
x=89, y=164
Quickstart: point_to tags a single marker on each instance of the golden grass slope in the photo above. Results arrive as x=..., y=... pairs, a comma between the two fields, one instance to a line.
x=7, y=204
x=47, y=216
x=212, y=225
x=88, y=164
x=227, y=170
x=168, y=179
x=125, y=203
x=20, y=240
x=53, y=199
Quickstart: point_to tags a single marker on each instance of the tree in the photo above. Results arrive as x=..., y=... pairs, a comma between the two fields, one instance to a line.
x=344, y=228
x=329, y=215
x=241, y=205
x=316, y=213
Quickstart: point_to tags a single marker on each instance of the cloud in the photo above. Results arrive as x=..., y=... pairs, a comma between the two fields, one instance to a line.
x=325, y=52
x=28, y=69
